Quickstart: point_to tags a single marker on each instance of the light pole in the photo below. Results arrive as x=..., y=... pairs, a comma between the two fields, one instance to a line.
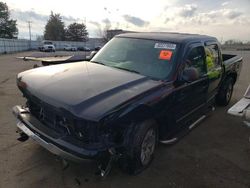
x=86, y=29
x=29, y=22
x=85, y=36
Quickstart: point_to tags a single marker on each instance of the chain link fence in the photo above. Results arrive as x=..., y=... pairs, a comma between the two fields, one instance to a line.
x=19, y=45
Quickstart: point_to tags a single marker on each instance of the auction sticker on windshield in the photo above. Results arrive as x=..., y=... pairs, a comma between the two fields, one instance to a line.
x=168, y=46
x=165, y=55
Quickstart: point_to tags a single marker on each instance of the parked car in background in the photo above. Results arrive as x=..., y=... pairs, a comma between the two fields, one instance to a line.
x=97, y=48
x=84, y=48
x=138, y=90
x=47, y=46
x=68, y=47
x=93, y=53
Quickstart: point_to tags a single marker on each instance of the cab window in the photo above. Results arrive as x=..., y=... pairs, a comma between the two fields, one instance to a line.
x=212, y=57
x=196, y=59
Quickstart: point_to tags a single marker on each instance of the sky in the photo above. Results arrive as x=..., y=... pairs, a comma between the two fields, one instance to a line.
x=224, y=19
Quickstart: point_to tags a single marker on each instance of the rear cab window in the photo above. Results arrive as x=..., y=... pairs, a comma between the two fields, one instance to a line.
x=212, y=56
x=213, y=62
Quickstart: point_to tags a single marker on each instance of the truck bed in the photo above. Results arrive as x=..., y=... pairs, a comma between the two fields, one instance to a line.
x=232, y=62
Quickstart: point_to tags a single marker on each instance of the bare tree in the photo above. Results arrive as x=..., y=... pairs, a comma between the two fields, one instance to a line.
x=102, y=32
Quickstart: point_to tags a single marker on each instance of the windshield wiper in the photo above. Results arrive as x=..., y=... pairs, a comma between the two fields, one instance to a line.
x=134, y=71
x=97, y=62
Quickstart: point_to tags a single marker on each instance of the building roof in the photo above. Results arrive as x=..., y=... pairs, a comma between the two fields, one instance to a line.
x=170, y=37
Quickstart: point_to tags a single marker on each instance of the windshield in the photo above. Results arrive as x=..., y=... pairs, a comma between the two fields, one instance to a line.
x=150, y=58
x=47, y=43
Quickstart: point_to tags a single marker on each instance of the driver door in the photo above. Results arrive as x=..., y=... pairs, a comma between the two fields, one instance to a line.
x=190, y=97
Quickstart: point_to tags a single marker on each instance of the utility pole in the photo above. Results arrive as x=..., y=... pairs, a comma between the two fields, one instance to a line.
x=29, y=22
x=221, y=41
x=85, y=36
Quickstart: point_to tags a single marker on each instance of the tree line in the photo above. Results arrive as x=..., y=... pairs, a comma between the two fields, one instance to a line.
x=8, y=27
x=54, y=29
x=235, y=42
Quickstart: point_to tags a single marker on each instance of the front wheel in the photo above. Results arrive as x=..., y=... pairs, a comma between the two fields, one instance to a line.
x=142, y=148
x=225, y=93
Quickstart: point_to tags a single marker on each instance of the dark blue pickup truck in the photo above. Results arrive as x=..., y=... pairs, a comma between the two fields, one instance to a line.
x=138, y=90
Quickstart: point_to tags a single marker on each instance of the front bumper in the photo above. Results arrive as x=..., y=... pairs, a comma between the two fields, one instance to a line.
x=53, y=143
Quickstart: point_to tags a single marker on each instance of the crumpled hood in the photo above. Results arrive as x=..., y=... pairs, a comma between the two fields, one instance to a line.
x=86, y=89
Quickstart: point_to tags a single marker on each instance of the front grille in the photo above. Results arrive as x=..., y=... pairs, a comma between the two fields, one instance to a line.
x=48, y=116
x=84, y=131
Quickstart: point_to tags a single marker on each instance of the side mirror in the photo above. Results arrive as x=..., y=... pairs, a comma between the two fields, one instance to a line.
x=92, y=54
x=190, y=74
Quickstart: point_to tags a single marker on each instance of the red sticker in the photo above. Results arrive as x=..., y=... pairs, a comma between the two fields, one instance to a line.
x=165, y=54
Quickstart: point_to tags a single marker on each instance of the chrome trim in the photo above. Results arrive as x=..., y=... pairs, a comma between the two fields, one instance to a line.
x=50, y=147
x=197, y=121
x=169, y=141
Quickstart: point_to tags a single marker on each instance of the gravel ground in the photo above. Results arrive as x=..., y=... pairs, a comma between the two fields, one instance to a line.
x=215, y=154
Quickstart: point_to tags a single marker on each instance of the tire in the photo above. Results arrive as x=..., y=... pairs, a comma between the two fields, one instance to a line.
x=225, y=93
x=141, y=149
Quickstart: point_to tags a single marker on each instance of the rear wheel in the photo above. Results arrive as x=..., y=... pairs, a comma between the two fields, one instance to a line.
x=225, y=93
x=142, y=148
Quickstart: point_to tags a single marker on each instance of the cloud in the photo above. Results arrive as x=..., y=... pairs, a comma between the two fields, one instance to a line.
x=225, y=4
x=188, y=10
x=222, y=14
x=28, y=15
x=107, y=22
x=70, y=19
x=97, y=24
x=213, y=17
x=166, y=8
x=135, y=21
x=232, y=14
x=167, y=20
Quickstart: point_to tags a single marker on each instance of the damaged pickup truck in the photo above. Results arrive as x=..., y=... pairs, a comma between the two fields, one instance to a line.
x=138, y=90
